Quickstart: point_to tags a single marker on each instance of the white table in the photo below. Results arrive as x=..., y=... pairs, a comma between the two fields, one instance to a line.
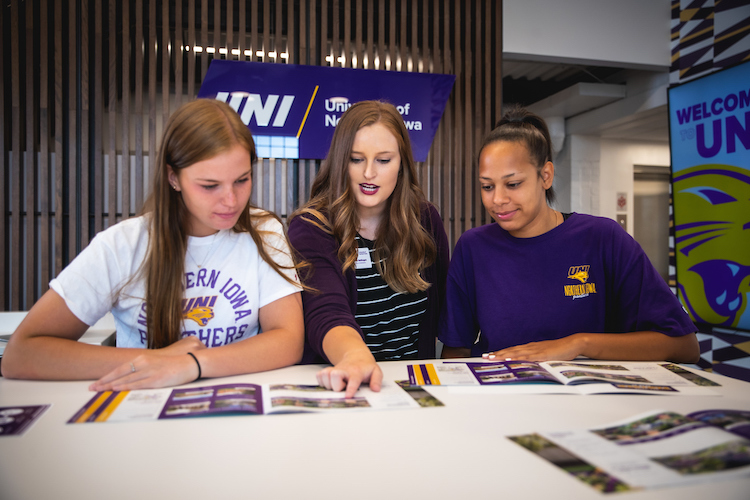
x=456, y=451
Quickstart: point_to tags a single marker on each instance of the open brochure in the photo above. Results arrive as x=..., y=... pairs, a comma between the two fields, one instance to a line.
x=577, y=377
x=652, y=450
x=153, y=404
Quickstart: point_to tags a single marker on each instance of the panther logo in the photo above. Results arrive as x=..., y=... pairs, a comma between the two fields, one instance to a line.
x=712, y=243
x=580, y=273
x=201, y=315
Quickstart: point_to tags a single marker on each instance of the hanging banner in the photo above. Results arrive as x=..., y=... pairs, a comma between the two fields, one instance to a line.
x=292, y=110
x=709, y=121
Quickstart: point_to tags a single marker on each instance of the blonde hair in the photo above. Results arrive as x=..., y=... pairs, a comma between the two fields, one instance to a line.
x=197, y=131
x=401, y=240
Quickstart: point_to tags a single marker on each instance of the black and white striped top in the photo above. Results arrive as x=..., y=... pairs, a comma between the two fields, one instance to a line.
x=389, y=320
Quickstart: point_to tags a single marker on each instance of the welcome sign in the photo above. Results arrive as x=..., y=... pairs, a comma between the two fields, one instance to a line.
x=710, y=147
x=292, y=110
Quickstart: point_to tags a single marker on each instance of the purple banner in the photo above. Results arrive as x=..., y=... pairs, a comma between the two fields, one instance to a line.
x=292, y=110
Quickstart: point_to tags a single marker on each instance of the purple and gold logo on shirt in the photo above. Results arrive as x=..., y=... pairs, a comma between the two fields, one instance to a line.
x=580, y=273
x=583, y=288
x=199, y=309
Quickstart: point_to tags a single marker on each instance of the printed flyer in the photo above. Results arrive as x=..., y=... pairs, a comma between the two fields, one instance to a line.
x=574, y=377
x=653, y=450
x=225, y=399
x=15, y=420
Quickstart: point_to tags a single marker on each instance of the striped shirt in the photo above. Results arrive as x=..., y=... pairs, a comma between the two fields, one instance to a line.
x=390, y=320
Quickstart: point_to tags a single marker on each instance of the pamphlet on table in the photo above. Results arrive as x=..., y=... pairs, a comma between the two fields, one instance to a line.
x=576, y=377
x=15, y=420
x=652, y=450
x=224, y=399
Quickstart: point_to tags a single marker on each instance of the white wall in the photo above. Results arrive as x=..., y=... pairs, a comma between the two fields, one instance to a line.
x=629, y=33
x=590, y=170
x=618, y=159
x=586, y=172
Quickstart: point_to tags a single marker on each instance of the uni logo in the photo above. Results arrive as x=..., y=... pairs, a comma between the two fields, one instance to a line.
x=580, y=273
x=274, y=145
x=254, y=106
x=199, y=309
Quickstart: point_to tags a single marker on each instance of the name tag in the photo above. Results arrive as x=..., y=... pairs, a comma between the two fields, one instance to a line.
x=363, y=259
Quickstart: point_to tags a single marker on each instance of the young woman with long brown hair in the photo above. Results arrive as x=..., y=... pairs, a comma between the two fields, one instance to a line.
x=376, y=249
x=190, y=283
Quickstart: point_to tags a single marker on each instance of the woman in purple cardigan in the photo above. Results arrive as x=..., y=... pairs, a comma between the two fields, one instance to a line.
x=376, y=251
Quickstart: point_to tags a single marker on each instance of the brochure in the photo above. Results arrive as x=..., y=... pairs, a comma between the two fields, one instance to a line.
x=15, y=420
x=577, y=377
x=222, y=399
x=652, y=450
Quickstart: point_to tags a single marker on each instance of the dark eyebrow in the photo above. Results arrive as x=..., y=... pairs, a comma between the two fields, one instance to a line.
x=503, y=177
x=249, y=171
x=378, y=153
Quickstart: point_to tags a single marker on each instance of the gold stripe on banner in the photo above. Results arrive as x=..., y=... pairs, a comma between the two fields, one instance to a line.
x=307, y=111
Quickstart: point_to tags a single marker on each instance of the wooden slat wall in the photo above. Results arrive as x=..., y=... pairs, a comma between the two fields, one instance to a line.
x=88, y=85
x=14, y=241
x=3, y=147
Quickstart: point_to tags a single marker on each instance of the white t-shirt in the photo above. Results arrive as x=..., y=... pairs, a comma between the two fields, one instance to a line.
x=222, y=297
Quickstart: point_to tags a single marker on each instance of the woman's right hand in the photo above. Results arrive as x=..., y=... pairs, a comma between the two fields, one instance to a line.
x=353, y=363
x=163, y=367
x=150, y=370
x=355, y=368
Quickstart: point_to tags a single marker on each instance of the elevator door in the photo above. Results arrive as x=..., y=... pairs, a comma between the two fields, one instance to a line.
x=651, y=214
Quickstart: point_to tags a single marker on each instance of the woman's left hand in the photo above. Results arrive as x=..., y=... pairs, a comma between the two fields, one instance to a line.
x=148, y=371
x=563, y=349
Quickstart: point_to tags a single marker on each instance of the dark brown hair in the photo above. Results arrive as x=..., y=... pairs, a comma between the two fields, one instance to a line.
x=521, y=125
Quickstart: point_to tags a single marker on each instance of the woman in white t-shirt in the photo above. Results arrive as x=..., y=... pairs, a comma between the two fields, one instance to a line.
x=192, y=283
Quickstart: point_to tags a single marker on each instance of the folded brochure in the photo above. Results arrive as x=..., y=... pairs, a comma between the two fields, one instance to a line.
x=582, y=377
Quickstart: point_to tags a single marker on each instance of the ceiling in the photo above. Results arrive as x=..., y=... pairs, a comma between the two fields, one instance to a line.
x=567, y=90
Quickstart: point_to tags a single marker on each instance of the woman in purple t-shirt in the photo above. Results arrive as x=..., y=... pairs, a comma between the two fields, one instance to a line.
x=541, y=285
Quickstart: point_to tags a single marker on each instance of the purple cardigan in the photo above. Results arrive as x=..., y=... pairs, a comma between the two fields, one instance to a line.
x=335, y=303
